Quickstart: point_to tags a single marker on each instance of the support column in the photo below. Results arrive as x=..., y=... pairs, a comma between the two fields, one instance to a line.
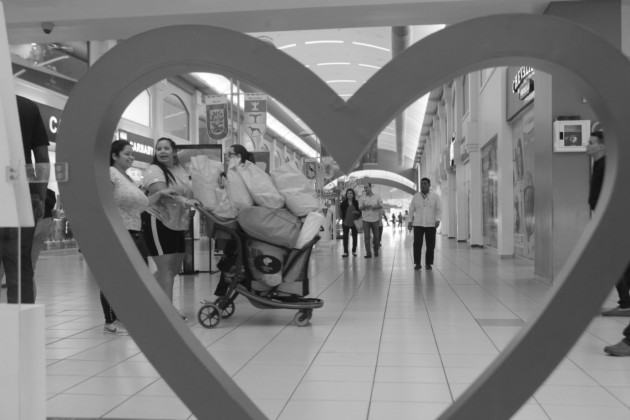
x=461, y=187
x=476, y=205
x=505, y=166
x=22, y=362
x=159, y=91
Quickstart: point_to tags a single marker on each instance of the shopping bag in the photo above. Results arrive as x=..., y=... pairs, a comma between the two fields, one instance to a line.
x=277, y=226
x=296, y=189
x=204, y=174
x=237, y=191
x=224, y=206
x=310, y=228
x=260, y=187
x=358, y=224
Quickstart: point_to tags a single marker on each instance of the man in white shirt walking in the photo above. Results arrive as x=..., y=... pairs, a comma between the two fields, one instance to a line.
x=425, y=212
x=370, y=205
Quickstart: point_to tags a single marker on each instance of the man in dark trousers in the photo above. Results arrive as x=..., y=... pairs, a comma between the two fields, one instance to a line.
x=35, y=142
x=425, y=212
x=596, y=149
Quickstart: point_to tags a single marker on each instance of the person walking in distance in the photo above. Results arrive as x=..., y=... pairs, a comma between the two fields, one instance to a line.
x=349, y=209
x=425, y=212
x=596, y=149
x=370, y=206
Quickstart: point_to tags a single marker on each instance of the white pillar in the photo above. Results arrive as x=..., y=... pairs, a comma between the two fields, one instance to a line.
x=505, y=166
x=476, y=205
x=22, y=362
x=157, y=108
x=460, y=187
x=97, y=49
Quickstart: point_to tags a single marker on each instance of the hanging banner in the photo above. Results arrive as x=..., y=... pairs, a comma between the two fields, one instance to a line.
x=328, y=168
x=255, y=115
x=310, y=168
x=217, y=116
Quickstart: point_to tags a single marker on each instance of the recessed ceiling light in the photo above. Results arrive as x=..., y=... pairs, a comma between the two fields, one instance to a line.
x=323, y=42
x=334, y=64
x=371, y=46
x=284, y=47
x=370, y=66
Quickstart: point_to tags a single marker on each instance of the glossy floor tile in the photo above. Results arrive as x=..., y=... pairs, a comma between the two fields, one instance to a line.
x=389, y=343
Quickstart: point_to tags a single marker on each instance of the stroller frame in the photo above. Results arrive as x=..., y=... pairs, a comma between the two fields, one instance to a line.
x=240, y=277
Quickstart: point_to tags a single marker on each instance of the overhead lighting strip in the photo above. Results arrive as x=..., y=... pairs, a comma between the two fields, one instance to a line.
x=371, y=46
x=370, y=66
x=323, y=42
x=334, y=64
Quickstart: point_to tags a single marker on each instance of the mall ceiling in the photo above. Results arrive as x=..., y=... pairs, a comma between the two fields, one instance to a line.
x=343, y=41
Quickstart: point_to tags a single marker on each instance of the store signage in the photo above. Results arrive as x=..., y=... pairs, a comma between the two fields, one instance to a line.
x=51, y=117
x=142, y=146
x=522, y=75
x=526, y=89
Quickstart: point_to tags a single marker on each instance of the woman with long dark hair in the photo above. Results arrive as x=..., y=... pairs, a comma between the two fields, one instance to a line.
x=349, y=209
x=165, y=222
x=131, y=202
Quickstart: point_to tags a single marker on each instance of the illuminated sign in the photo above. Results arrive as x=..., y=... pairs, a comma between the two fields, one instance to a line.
x=526, y=89
x=142, y=146
x=523, y=74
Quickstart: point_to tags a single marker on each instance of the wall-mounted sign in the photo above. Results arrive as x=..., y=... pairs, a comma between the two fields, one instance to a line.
x=51, y=117
x=523, y=74
x=142, y=146
x=526, y=89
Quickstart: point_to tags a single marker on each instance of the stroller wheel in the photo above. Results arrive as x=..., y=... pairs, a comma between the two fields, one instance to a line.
x=226, y=306
x=302, y=318
x=209, y=316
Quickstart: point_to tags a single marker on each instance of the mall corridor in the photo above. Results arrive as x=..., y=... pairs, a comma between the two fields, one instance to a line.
x=389, y=343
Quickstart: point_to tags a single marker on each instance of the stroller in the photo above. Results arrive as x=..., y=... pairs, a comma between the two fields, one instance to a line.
x=245, y=266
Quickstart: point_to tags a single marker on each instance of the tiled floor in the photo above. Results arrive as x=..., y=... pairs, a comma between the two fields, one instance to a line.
x=389, y=343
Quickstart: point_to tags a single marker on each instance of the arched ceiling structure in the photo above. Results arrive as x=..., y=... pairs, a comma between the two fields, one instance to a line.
x=342, y=41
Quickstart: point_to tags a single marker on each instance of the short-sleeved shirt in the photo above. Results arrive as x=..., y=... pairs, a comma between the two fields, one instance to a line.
x=170, y=211
x=129, y=198
x=371, y=214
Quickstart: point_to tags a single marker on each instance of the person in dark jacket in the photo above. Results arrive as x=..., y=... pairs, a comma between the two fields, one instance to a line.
x=15, y=254
x=349, y=211
x=596, y=149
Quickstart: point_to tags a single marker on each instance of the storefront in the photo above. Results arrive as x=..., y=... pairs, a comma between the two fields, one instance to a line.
x=520, y=115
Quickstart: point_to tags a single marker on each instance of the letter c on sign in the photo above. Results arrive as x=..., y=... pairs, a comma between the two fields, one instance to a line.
x=53, y=124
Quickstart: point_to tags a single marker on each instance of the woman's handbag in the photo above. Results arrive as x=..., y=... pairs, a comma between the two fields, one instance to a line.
x=358, y=224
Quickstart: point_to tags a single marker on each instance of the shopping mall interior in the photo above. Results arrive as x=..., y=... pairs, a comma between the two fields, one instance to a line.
x=493, y=101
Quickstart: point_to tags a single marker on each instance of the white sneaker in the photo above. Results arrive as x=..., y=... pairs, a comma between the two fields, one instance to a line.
x=115, y=327
x=109, y=328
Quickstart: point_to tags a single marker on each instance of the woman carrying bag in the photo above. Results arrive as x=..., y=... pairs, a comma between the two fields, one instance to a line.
x=349, y=209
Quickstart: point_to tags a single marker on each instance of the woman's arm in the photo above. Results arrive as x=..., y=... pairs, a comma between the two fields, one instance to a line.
x=155, y=197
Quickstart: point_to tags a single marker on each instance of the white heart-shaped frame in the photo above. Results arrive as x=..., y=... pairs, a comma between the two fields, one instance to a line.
x=550, y=44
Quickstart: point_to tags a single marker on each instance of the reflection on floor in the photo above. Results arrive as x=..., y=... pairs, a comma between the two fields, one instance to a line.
x=389, y=343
